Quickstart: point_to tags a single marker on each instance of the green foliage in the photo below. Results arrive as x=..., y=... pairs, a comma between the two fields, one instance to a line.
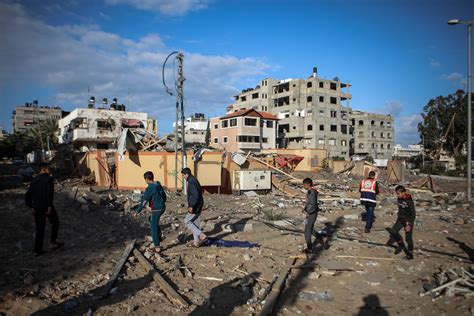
x=17, y=144
x=47, y=131
x=208, y=133
x=437, y=115
x=338, y=158
x=369, y=159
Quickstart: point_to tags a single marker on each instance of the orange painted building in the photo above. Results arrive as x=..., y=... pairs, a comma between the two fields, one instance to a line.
x=244, y=130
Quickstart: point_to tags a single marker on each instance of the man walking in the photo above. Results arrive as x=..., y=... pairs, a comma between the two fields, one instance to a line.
x=195, y=204
x=39, y=197
x=310, y=211
x=368, y=197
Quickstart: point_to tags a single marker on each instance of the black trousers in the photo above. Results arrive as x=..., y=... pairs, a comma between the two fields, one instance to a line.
x=40, y=221
x=308, y=229
x=395, y=235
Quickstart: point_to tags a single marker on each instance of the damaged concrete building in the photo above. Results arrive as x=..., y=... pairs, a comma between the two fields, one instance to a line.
x=313, y=112
x=91, y=129
x=27, y=116
x=195, y=128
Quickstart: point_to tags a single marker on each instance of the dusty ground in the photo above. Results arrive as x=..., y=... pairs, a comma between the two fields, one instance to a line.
x=95, y=238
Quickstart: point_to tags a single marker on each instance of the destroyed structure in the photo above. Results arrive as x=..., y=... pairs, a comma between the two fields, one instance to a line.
x=244, y=130
x=407, y=152
x=28, y=116
x=314, y=113
x=92, y=129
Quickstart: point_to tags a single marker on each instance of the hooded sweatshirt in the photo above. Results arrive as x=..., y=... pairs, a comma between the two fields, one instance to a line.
x=40, y=194
x=155, y=195
x=406, y=208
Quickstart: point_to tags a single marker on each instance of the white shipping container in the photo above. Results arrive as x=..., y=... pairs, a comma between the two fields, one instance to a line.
x=245, y=180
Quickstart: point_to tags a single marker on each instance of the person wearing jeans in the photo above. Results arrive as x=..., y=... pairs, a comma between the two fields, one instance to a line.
x=155, y=195
x=369, y=190
x=195, y=205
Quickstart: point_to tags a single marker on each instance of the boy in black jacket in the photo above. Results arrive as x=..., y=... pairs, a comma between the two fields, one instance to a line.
x=310, y=211
x=405, y=219
x=39, y=197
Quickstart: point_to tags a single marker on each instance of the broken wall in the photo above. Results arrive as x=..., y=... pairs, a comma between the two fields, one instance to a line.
x=313, y=158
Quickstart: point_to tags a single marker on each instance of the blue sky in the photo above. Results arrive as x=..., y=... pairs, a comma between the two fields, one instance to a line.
x=396, y=54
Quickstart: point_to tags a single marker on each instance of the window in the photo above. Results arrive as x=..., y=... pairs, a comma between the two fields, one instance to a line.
x=287, y=115
x=309, y=99
x=321, y=99
x=381, y=146
x=361, y=146
x=388, y=124
x=233, y=122
x=321, y=141
x=389, y=135
x=250, y=121
x=343, y=142
x=216, y=126
x=248, y=139
x=333, y=128
x=309, y=85
x=332, y=142
x=382, y=135
x=310, y=127
x=381, y=123
x=104, y=124
x=224, y=139
x=102, y=146
x=294, y=127
x=361, y=122
x=372, y=122
x=321, y=127
x=373, y=134
x=361, y=134
x=373, y=145
x=333, y=86
x=334, y=114
x=389, y=146
x=255, y=96
x=321, y=84
x=216, y=140
x=264, y=140
x=344, y=129
x=243, y=99
x=225, y=124
x=333, y=100
x=269, y=124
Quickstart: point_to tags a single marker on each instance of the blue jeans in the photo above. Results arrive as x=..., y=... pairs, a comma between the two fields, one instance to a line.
x=193, y=222
x=370, y=217
x=155, y=226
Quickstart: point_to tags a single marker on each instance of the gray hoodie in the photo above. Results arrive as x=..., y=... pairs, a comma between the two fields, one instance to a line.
x=311, y=206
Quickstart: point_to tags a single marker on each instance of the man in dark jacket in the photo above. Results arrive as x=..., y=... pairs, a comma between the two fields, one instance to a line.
x=310, y=211
x=39, y=197
x=405, y=219
x=195, y=204
x=369, y=189
x=155, y=196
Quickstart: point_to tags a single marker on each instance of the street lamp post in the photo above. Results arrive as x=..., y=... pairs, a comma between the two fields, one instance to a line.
x=469, y=114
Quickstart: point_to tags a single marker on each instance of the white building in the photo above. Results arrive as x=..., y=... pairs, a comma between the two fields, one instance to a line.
x=91, y=129
x=195, y=128
x=407, y=152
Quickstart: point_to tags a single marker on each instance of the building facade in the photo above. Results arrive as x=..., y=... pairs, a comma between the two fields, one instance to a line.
x=244, y=130
x=195, y=128
x=28, y=116
x=3, y=133
x=91, y=129
x=407, y=152
x=314, y=113
x=373, y=134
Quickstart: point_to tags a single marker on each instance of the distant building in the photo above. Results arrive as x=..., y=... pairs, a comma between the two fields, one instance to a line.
x=373, y=134
x=28, y=116
x=3, y=133
x=315, y=113
x=91, y=128
x=244, y=130
x=195, y=128
x=407, y=152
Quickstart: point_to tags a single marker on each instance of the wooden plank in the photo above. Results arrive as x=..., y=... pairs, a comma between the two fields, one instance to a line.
x=171, y=293
x=277, y=288
x=285, y=189
x=368, y=258
x=118, y=268
x=274, y=168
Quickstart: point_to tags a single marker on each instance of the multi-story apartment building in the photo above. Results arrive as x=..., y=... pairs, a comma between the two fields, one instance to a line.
x=373, y=134
x=244, y=130
x=195, y=128
x=27, y=116
x=314, y=113
x=90, y=129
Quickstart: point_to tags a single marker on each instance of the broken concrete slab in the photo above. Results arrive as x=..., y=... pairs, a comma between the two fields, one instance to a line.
x=333, y=265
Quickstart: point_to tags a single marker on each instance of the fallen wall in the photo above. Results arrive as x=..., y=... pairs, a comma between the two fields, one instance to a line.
x=313, y=158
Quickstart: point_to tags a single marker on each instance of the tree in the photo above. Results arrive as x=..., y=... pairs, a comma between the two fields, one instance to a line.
x=437, y=115
x=208, y=133
x=49, y=129
x=17, y=144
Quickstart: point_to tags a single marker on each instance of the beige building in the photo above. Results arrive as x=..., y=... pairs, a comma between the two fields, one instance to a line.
x=314, y=113
x=195, y=128
x=27, y=116
x=244, y=130
x=373, y=134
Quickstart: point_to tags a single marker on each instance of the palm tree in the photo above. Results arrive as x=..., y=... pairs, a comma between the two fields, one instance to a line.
x=46, y=131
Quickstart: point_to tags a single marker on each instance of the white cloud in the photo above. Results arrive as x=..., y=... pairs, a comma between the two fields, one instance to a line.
x=434, y=63
x=393, y=108
x=69, y=59
x=456, y=78
x=406, y=129
x=167, y=7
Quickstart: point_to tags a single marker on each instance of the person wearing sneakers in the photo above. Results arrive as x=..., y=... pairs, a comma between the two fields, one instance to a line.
x=195, y=204
x=310, y=211
x=405, y=219
x=155, y=196
x=39, y=198
x=369, y=189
